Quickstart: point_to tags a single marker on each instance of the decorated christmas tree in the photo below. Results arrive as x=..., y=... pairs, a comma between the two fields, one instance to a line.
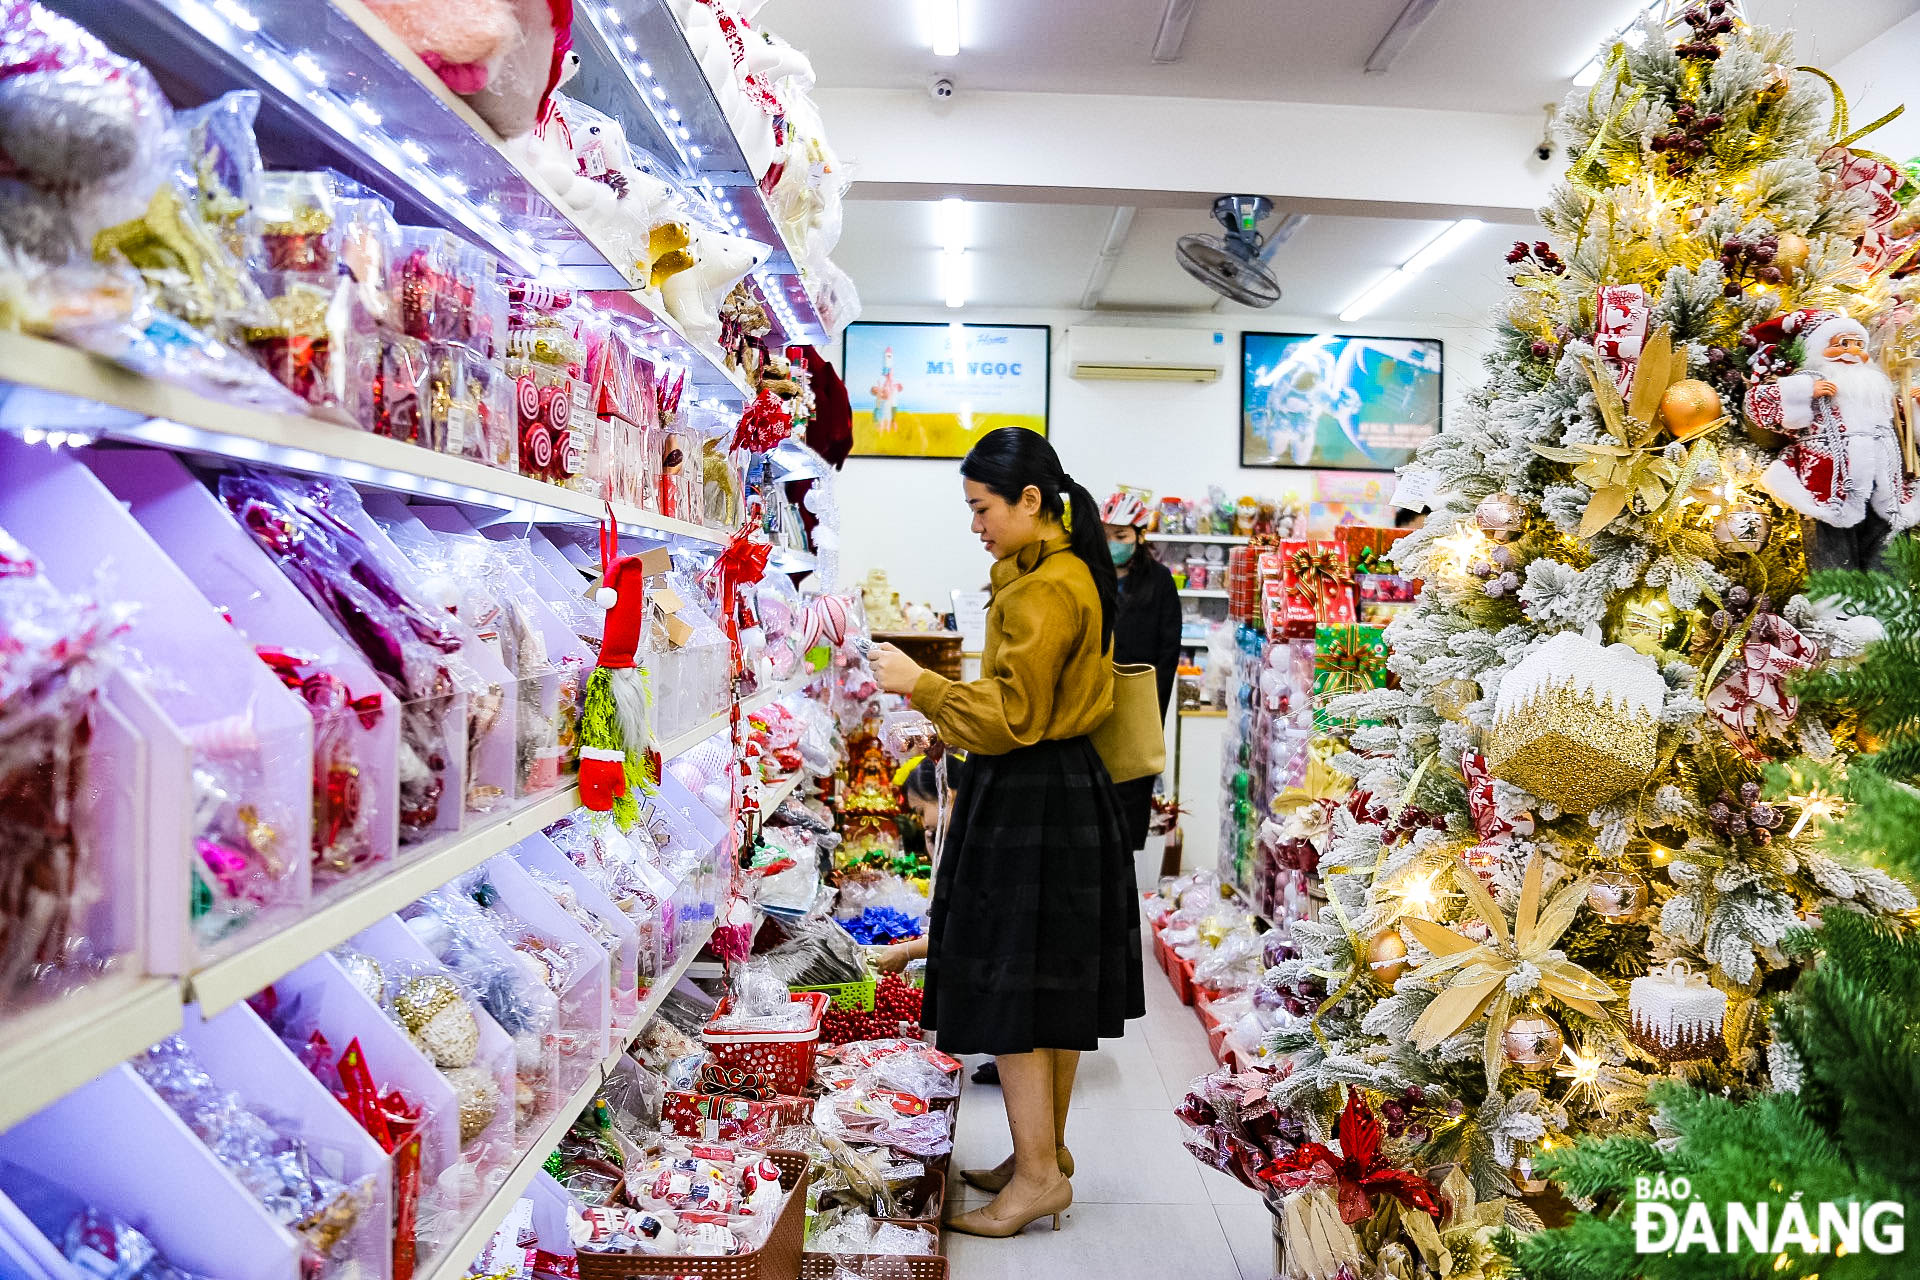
x=1596, y=827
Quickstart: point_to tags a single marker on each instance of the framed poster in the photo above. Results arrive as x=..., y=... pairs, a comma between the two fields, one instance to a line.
x=1328, y=400
x=922, y=390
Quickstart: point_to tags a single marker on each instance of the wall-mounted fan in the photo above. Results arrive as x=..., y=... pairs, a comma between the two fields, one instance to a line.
x=1233, y=265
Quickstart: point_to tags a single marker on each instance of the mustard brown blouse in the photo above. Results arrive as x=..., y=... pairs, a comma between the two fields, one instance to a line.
x=1043, y=674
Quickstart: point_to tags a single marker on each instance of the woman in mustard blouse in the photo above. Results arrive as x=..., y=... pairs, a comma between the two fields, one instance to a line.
x=1034, y=941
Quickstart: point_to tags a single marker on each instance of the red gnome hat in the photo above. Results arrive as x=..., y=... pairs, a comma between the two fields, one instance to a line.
x=623, y=594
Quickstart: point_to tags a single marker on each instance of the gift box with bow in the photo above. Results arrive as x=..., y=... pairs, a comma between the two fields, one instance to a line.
x=1348, y=657
x=1316, y=586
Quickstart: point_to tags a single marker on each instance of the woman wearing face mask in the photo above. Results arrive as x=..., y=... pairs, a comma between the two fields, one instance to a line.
x=1148, y=629
x=1033, y=947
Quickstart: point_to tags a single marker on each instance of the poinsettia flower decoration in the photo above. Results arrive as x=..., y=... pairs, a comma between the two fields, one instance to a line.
x=1358, y=1171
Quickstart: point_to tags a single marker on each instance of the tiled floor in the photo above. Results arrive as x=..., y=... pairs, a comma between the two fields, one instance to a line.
x=1140, y=1201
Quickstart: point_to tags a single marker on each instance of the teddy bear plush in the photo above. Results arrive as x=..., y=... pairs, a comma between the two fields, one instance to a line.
x=693, y=296
x=530, y=69
x=462, y=43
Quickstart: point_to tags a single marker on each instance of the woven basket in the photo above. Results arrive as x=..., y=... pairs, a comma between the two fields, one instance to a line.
x=820, y=1266
x=777, y=1259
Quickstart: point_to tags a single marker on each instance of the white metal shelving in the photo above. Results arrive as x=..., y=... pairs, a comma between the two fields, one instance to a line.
x=779, y=791
x=52, y=1050
x=452, y=1260
x=1222, y=539
x=1194, y=593
x=77, y=391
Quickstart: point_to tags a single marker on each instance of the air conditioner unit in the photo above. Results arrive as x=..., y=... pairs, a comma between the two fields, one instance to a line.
x=1129, y=353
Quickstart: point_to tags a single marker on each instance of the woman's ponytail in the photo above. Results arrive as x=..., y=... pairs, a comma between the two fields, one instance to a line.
x=1088, y=538
x=1009, y=459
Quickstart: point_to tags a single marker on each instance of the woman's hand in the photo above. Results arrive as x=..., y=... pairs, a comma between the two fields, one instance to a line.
x=895, y=671
x=894, y=958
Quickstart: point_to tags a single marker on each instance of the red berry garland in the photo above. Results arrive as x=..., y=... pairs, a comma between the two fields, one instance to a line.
x=895, y=1012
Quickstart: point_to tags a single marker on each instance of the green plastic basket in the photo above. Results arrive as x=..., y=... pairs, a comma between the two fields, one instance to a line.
x=856, y=997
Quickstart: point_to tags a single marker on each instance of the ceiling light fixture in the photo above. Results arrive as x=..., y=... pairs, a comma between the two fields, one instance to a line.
x=950, y=224
x=1628, y=32
x=1108, y=258
x=1172, y=36
x=956, y=271
x=1400, y=34
x=1391, y=283
x=943, y=20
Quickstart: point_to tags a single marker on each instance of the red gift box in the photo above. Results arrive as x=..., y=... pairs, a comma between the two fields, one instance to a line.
x=1318, y=586
x=712, y=1117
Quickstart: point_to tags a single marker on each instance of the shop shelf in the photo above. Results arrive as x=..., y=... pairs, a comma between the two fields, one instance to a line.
x=633, y=51
x=130, y=406
x=52, y=1050
x=450, y=1263
x=340, y=89
x=1224, y=539
x=779, y=791
x=360, y=903
x=1189, y=593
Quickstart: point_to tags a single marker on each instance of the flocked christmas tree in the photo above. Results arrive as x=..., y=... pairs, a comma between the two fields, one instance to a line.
x=1596, y=825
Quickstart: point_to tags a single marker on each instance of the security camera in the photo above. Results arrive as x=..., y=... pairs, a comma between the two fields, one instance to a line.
x=1543, y=149
x=940, y=88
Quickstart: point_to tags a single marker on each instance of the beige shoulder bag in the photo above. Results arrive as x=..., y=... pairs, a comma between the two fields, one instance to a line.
x=1131, y=741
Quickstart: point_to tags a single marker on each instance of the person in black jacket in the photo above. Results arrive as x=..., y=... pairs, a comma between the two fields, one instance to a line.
x=1147, y=630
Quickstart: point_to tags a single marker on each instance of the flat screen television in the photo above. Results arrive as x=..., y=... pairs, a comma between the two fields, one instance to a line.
x=1333, y=400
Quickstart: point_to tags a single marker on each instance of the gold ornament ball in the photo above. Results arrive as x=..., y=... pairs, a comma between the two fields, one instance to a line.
x=1501, y=516
x=1647, y=622
x=1451, y=697
x=1742, y=527
x=1616, y=896
x=1689, y=408
x=1791, y=253
x=1387, y=956
x=1532, y=1041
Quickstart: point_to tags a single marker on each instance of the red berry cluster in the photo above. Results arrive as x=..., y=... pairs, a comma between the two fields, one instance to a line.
x=1540, y=254
x=1708, y=20
x=1687, y=142
x=1750, y=256
x=1397, y=1112
x=896, y=1011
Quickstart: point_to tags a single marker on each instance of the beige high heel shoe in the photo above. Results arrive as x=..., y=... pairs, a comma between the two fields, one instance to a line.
x=996, y=1179
x=980, y=1222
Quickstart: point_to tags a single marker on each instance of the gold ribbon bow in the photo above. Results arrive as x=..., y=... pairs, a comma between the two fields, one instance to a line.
x=1631, y=470
x=1480, y=970
x=1316, y=574
x=1321, y=782
x=1351, y=661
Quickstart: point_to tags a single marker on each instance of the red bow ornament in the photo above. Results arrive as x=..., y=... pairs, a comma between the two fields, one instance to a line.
x=1357, y=1173
x=1752, y=701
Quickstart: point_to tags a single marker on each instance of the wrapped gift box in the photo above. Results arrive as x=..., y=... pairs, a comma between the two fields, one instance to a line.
x=1318, y=585
x=1347, y=658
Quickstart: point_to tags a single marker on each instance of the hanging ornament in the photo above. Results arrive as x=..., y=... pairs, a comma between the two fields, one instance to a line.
x=1387, y=956
x=1452, y=697
x=1689, y=408
x=1521, y=1170
x=1646, y=622
x=1791, y=254
x=1576, y=722
x=1532, y=1041
x=1674, y=1014
x=1617, y=897
x=1743, y=526
x=1501, y=516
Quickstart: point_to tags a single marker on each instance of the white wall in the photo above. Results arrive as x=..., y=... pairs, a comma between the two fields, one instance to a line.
x=1879, y=76
x=906, y=515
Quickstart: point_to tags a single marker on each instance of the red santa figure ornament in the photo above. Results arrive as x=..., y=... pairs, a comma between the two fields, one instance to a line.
x=1842, y=464
x=614, y=728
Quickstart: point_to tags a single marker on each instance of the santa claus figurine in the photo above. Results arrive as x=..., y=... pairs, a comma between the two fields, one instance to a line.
x=1842, y=463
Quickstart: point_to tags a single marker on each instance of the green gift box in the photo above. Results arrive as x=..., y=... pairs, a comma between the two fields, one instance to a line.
x=1348, y=657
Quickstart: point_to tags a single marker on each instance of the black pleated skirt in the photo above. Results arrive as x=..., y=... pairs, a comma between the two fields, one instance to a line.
x=1034, y=941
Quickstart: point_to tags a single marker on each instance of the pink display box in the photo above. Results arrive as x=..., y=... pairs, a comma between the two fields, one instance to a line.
x=586, y=1005
x=243, y=1055
x=113, y=1143
x=87, y=541
x=490, y=782
x=537, y=853
x=230, y=569
x=491, y=1151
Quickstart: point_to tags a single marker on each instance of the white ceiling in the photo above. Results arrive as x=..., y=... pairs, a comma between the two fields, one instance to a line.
x=1040, y=256
x=1470, y=55
x=1508, y=56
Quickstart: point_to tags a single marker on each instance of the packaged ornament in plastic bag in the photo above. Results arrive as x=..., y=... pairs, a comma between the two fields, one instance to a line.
x=402, y=638
x=570, y=962
x=509, y=985
x=330, y=1217
x=58, y=927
